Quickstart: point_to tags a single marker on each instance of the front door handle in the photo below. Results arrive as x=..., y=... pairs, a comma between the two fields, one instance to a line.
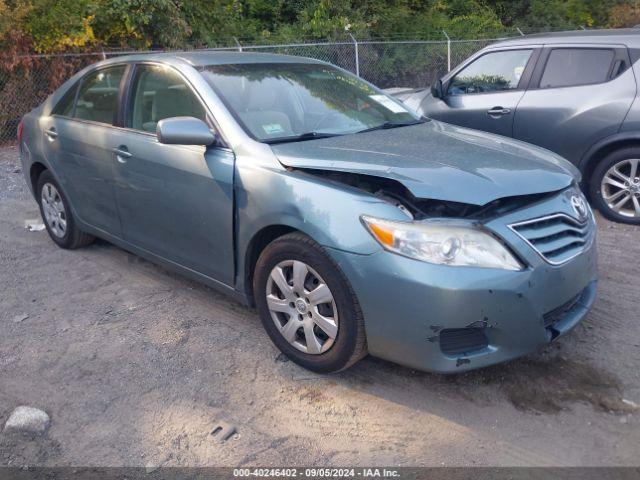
x=122, y=153
x=499, y=111
x=51, y=134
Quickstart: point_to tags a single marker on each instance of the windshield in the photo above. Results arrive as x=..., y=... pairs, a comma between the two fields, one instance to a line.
x=289, y=101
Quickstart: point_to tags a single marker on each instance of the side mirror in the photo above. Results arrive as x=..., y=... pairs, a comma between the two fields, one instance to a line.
x=184, y=131
x=436, y=89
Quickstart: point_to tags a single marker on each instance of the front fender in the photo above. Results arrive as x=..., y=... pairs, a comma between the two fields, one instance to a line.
x=328, y=212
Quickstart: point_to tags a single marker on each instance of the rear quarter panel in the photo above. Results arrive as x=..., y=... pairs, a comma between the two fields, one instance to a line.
x=632, y=121
x=32, y=148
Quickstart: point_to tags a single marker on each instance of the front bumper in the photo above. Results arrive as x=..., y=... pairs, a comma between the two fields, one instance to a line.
x=451, y=319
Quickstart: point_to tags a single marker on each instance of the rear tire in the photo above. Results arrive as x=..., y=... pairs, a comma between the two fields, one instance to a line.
x=56, y=214
x=321, y=329
x=614, y=187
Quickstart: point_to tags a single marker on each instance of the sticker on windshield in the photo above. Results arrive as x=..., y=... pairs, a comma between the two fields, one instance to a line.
x=273, y=128
x=388, y=103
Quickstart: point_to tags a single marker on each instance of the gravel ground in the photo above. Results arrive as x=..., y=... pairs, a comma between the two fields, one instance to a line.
x=136, y=366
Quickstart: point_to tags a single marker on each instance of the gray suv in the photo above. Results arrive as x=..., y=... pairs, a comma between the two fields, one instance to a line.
x=574, y=93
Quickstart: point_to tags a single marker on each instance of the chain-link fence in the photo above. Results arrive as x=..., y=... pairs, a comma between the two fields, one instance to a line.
x=25, y=81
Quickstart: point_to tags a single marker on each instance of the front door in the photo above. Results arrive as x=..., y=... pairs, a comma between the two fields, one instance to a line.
x=485, y=93
x=175, y=201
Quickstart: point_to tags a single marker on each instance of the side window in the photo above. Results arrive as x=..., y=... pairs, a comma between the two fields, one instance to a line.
x=492, y=72
x=160, y=92
x=98, y=95
x=576, y=66
x=65, y=106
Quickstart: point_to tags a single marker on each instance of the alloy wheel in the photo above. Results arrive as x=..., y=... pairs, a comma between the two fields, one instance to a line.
x=54, y=211
x=302, y=307
x=620, y=188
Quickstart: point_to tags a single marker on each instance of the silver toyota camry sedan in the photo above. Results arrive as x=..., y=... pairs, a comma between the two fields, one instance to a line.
x=354, y=225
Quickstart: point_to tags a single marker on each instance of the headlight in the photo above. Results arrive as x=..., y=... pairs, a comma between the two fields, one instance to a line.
x=442, y=242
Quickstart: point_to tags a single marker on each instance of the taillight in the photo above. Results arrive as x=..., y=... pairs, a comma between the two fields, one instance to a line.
x=20, y=131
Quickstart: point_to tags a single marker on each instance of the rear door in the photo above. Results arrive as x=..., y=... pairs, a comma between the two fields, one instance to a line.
x=175, y=201
x=578, y=95
x=79, y=142
x=485, y=92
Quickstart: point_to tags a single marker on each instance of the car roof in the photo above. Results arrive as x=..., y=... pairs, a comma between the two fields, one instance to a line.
x=203, y=58
x=624, y=36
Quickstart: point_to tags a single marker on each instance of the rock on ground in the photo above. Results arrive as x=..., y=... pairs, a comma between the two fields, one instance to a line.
x=27, y=419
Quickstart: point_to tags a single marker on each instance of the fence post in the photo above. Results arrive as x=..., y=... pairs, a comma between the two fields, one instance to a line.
x=355, y=47
x=238, y=44
x=448, y=51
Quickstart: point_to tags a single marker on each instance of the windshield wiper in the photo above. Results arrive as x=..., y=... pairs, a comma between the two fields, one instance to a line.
x=302, y=137
x=315, y=135
x=385, y=125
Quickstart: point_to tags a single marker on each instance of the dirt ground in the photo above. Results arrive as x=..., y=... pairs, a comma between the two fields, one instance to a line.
x=136, y=366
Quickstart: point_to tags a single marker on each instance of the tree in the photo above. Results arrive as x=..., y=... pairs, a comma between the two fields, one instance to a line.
x=625, y=15
x=57, y=25
x=140, y=23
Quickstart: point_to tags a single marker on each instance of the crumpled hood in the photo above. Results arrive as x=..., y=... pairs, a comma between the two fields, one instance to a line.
x=438, y=161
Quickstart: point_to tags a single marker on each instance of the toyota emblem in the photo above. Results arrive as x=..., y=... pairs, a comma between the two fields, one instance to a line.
x=580, y=207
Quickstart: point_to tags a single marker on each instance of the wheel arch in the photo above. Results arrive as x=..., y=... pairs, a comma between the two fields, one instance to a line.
x=601, y=149
x=35, y=171
x=256, y=245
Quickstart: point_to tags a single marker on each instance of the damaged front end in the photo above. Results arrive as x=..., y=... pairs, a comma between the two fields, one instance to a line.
x=456, y=284
x=394, y=192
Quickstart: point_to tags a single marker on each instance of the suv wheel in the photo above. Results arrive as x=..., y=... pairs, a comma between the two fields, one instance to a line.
x=307, y=305
x=615, y=186
x=57, y=215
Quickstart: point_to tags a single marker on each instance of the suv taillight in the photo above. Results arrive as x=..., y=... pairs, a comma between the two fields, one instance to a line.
x=20, y=131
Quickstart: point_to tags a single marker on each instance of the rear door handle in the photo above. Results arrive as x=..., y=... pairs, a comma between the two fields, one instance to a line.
x=498, y=111
x=51, y=133
x=122, y=153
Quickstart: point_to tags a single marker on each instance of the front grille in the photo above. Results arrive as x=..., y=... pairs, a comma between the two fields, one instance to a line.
x=556, y=238
x=457, y=341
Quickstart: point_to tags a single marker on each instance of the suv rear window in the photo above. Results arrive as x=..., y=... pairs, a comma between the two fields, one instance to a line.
x=576, y=66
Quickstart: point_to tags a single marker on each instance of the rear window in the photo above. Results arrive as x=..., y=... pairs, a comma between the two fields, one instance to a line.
x=98, y=96
x=576, y=66
x=65, y=105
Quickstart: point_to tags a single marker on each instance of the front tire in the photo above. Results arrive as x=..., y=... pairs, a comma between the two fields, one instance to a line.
x=615, y=186
x=307, y=306
x=57, y=216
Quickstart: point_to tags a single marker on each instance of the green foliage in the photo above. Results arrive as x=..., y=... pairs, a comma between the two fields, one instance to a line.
x=556, y=14
x=140, y=23
x=56, y=25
